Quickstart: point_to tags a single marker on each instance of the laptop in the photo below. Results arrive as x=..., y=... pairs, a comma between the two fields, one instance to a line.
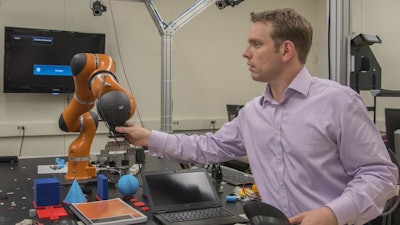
x=174, y=193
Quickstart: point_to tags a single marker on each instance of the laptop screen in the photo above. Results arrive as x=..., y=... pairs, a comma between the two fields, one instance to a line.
x=177, y=190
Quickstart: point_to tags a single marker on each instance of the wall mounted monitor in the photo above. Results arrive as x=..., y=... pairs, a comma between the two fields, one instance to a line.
x=38, y=60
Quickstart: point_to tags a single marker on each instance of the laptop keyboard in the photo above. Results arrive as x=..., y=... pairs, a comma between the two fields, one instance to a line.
x=196, y=214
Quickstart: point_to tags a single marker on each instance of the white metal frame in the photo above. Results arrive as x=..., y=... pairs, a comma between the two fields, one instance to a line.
x=166, y=31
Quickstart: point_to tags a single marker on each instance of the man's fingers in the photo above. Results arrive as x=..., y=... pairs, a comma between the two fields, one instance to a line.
x=296, y=219
x=121, y=129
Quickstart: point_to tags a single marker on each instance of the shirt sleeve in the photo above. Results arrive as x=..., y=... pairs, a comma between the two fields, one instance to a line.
x=157, y=143
x=365, y=158
x=209, y=148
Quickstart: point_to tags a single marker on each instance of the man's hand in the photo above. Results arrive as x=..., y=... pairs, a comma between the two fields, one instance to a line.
x=135, y=134
x=321, y=216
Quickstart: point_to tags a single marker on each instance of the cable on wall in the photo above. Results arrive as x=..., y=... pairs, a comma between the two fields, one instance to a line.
x=329, y=39
x=122, y=62
x=22, y=140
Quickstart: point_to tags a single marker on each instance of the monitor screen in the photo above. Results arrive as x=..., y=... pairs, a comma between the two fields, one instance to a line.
x=181, y=188
x=38, y=60
x=233, y=111
x=392, y=123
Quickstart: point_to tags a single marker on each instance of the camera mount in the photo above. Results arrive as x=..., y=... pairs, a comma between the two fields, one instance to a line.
x=224, y=3
x=98, y=8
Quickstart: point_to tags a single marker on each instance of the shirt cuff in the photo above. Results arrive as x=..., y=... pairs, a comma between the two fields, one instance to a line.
x=345, y=210
x=157, y=143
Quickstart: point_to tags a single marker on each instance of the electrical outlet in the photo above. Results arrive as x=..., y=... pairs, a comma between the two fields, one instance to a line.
x=20, y=127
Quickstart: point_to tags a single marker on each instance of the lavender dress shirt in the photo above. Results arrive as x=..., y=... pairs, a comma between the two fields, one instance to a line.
x=318, y=147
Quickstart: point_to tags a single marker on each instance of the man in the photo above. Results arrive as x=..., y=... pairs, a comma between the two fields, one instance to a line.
x=314, y=152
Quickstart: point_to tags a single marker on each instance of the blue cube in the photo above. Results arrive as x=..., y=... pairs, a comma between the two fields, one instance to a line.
x=46, y=191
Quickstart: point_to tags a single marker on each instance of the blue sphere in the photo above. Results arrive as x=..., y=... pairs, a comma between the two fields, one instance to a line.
x=128, y=185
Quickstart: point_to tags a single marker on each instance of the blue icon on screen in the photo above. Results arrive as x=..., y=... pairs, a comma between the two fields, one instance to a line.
x=51, y=70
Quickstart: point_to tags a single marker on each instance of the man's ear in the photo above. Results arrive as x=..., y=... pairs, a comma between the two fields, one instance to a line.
x=288, y=50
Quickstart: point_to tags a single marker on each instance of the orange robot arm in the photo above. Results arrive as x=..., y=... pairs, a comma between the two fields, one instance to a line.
x=95, y=83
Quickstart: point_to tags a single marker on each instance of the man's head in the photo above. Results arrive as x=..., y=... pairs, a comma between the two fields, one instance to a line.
x=288, y=25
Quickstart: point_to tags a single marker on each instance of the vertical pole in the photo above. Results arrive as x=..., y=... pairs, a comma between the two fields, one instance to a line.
x=166, y=96
x=340, y=29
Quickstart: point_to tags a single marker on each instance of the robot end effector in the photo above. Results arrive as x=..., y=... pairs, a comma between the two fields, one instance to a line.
x=114, y=108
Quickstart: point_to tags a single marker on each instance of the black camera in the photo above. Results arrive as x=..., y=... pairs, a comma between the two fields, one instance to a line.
x=224, y=3
x=98, y=8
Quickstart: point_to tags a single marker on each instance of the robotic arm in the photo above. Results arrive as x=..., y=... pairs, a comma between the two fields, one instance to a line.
x=95, y=83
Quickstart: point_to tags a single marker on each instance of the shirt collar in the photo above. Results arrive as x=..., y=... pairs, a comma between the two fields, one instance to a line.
x=301, y=84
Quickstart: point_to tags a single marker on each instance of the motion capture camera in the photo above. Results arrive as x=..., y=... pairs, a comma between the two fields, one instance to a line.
x=98, y=8
x=224, y=3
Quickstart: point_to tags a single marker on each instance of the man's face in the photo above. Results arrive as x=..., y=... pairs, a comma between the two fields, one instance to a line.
x=263, y=58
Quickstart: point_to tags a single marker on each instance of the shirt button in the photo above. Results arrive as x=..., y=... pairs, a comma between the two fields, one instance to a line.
x=279, y=157
x=281, y=183
x=286, y=210
x=276, y=131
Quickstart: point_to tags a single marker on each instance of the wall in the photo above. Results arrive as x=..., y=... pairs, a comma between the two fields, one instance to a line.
x=208, y=69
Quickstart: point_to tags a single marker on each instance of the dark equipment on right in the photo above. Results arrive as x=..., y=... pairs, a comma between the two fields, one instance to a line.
x=367, y=72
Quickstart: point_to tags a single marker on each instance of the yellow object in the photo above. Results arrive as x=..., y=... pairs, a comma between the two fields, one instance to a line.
x=242, y=193
x=255, y=189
